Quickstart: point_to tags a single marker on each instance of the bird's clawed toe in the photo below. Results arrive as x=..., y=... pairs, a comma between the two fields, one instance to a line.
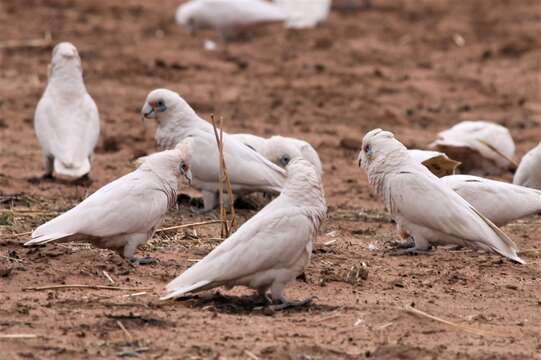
x=147, y=260
x=411, y=251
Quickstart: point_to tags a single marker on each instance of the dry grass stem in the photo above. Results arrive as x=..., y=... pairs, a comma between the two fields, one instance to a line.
x=15, y=235
x=515, y=165
x=18, y=336
x=201, y=223
x=124, y=330
x=46, y=41
x=413, y=311
x=89, y=287
x=109, y=278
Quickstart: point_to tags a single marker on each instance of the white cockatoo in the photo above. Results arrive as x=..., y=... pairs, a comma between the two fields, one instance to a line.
x=124, y=214
x=305, y=13
x=437, y=162
x=269, y=250
x=227, y=17
x=499, y=201
x=66, y=121
x=248, y=170
x=277, y=149
x=482, y=147
x=424, y=208
x=529, y=170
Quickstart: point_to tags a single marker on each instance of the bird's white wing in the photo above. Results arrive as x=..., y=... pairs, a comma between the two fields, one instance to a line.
x=305, y=13
x=252, y=141
x=69, y=132
x=529, y=170
x=129, y=204
x=273, y=239
x=417, y=196
x=246, y=168
x=500, y=202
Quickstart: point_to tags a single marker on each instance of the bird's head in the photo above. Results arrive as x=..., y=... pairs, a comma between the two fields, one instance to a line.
x=64, y=53
x=377, y=144
x=281, y=151
x=187, y=15
x=159, y=102
x=185, y=150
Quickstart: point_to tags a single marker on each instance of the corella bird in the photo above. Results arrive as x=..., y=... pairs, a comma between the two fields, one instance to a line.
x=277, y=149
x=66, y=121
x=483, y=148
x=438, y=163
x=499, y=201
x=529, y=170
x=123, y=214
x=227, y=17
x=422, y=206
x=305, y=13
x=248, y=170
x=269, y=250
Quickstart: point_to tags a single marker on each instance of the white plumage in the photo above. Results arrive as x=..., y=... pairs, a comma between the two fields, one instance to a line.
x=483, y=148
x=499, y=201
x=269, y=250
x=437, y=162
x=422, y=206
x=529, y=170
x=66, y=121
x=248, y=170
x=280, y=150
x=305, y=13
x=227, y=16
x=123, y=214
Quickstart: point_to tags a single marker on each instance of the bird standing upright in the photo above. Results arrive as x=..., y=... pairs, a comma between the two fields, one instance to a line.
x=123, y=214
x=247, y=170
x=269, y=250
x=66, y=121
x=422, y=206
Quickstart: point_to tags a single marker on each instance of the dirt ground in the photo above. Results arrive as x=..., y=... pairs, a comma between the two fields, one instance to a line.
x=397, y=65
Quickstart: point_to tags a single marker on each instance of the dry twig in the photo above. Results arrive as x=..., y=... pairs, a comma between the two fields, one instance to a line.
x=227, y=227
x=513, y=163
x=89, y=287
x=190, y=225
x=46, y=41
x=18, y=336
x=414, y=311
x=15, y=235
x=124, y=330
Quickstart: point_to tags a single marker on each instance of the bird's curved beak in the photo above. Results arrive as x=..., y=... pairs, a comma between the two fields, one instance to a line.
x=359, y=158
x=147, y=112
x=188, y=176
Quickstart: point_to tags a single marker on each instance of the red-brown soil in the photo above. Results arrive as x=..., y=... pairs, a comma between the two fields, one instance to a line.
x=396, y=65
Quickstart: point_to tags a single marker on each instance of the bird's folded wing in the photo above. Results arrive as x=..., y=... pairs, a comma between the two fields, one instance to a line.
x=422, y=201
x=245, y=167
x=272, y=239
x=126, y=205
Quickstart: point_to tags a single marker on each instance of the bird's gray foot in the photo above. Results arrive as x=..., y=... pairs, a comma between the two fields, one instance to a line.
x=147, y=260
x=411, y=251
x=200, y=211
x=285, y=304
x=402, y=244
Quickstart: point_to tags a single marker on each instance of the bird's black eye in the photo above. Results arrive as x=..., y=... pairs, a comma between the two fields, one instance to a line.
x=160, y=103
x=367, y=148
x=284, y=160
x=183, y=166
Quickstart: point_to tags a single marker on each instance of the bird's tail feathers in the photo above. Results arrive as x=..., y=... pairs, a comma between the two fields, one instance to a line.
x=506, y=247
x=45, y=238
x=174, y=291
x=72, y=169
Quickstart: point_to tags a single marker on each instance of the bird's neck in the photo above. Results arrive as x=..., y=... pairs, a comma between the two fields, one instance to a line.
x=306, y=190
x=67, y=80
x=167, y=178
x=380, y=169
x=177, y=126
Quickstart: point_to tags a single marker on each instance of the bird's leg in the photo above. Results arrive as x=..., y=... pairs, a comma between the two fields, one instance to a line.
x=421, y=247
x=147, y=260
x=129, y=251
x=277, y=293
x=263, y=297
x=209, y=203
x=48, y=162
